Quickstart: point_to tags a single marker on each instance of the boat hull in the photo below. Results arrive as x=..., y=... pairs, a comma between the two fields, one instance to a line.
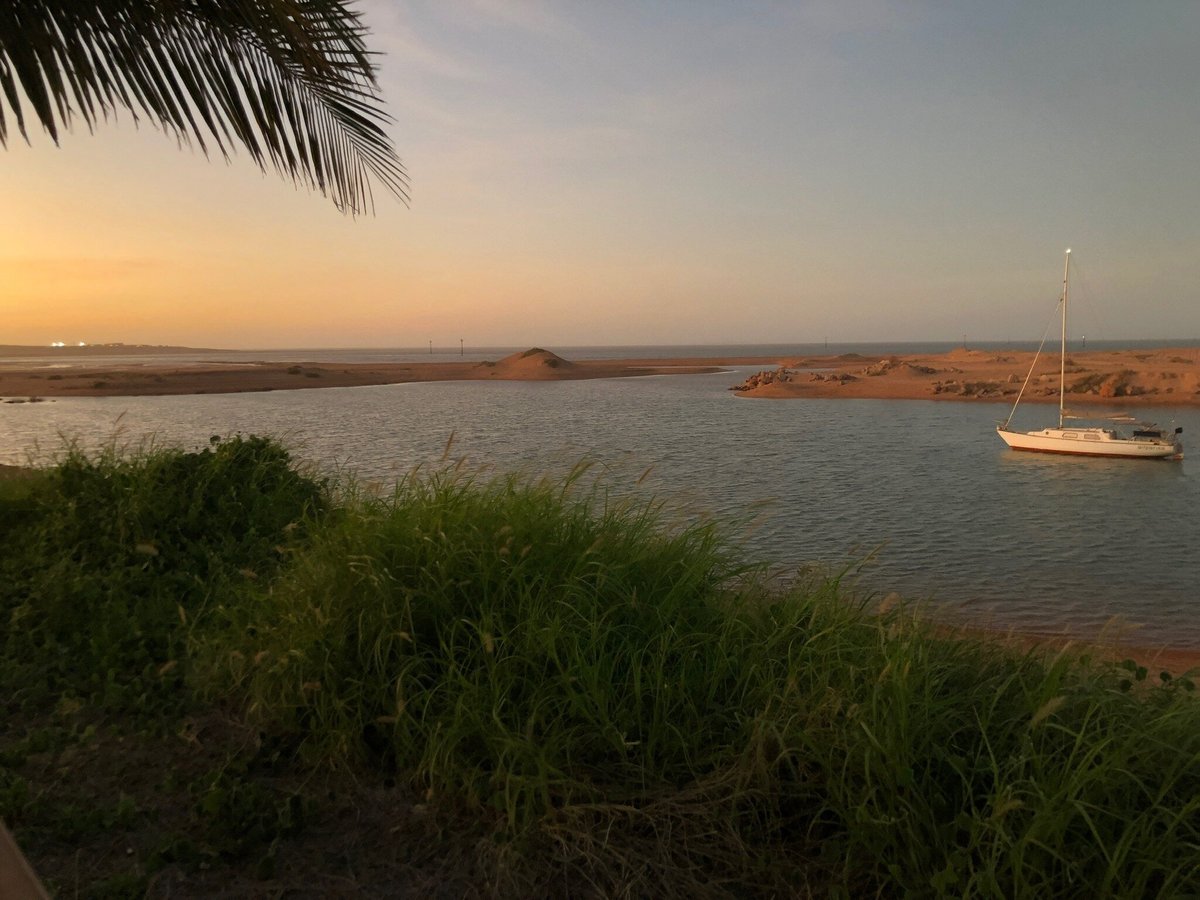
x=1091, y=442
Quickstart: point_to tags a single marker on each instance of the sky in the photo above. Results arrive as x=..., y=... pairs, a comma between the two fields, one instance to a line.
x=662, y=173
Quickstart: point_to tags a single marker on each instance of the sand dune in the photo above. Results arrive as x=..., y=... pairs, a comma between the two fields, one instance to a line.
x=1113, y=378
x=535, y=364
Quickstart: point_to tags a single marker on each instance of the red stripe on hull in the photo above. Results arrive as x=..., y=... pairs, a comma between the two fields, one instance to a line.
x=1083, y=453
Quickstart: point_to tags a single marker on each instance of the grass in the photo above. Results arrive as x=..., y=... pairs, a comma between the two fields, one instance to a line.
x=591, y=698
x=109, y=563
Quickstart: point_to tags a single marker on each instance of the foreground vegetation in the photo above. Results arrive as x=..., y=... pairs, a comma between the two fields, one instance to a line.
x=224, y=674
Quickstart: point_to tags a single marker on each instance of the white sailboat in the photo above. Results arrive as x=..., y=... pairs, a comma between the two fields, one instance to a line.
x=1144, y=441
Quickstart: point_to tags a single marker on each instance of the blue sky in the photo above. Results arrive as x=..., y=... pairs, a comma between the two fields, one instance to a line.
x=664, y=173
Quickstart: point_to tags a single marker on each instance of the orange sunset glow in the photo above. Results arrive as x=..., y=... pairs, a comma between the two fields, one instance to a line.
x=882, y=173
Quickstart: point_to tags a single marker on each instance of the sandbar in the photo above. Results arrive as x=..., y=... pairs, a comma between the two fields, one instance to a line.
x=1161, y=377
x=127, y=380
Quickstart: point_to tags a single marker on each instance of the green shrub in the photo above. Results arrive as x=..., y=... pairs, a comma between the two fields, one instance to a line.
x=108, y=561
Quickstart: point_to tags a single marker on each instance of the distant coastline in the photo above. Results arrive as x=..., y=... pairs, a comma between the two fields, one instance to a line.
x=75, y=351
x=76, y=355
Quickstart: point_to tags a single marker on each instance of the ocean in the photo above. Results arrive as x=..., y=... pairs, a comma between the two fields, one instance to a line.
x=920, y=498
x=72, y=356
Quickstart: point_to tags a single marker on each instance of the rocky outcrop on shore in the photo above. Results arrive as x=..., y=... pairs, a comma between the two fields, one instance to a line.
x=978, y=389
x=782, y=375
x=833, y=377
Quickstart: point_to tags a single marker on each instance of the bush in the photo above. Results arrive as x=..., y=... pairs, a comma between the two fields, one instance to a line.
x=109, y=562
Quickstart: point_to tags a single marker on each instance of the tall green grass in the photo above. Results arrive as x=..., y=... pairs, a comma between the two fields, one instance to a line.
x=503, y=638
x=638, y=702
x=622, y=702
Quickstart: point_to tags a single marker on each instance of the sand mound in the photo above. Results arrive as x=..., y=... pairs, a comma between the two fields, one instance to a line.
x=532, y=363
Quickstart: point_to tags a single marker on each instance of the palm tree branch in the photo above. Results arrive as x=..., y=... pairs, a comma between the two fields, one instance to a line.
x=290, y=80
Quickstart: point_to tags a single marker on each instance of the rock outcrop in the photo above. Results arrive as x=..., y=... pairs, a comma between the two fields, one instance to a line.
x=767, y=376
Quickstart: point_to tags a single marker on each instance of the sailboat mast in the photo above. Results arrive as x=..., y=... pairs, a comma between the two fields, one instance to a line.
x=1062, y=356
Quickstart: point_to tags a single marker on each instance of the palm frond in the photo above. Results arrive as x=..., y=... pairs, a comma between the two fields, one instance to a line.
x=289, y=80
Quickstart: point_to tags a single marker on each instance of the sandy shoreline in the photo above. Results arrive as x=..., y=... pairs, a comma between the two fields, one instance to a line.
x=1156, y=658
x=125, y=380
x=1168, y=376
x=1112, y=378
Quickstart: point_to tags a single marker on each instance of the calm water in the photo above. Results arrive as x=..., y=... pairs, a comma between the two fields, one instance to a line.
x=927, y=489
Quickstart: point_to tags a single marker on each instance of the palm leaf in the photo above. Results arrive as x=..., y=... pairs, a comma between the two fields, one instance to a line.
x=289, y=80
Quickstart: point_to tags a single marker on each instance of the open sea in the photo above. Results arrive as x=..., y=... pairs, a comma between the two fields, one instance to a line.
x=916, y=497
